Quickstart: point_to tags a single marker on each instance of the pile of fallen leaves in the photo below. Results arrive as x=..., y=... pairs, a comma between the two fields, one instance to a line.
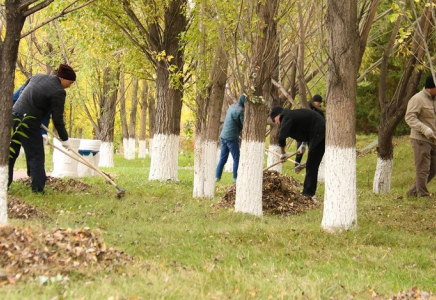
x=69, y=185
x=26, y=252
x=18, y=209
x=280, y=195
x=412, y=294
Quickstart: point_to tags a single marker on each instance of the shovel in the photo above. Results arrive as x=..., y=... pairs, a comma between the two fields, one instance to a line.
x=82, y=160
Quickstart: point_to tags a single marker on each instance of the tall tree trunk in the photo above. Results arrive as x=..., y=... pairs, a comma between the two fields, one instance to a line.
x=249, y=183
x=123, y=115
x=106, y=120
x=206, y=141
x=142, y=144
x=164, y=159
x=151, y=107
x=393, y=111
x=340, y=209
x=8, y=57
x=132, y=123
x=274, y=129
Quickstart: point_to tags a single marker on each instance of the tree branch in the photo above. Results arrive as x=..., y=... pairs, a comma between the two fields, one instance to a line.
x=65, y=11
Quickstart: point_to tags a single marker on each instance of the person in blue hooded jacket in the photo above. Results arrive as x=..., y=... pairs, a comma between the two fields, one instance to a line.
x=230, y=133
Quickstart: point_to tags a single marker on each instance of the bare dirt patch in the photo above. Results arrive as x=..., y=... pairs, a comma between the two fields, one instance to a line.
x=280, y=196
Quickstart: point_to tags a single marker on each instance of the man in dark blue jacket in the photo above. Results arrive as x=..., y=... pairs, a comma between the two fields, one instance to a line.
x=303, y=125
x=43, y=94
x=230, y=133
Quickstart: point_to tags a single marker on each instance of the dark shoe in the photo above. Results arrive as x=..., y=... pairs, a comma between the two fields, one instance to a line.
x=299, y=167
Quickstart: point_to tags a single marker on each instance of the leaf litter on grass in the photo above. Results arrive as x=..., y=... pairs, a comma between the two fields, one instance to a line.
x=18, y=209
x=69, y=185
x=52, y=253
x=280, y=196
x=34, y=252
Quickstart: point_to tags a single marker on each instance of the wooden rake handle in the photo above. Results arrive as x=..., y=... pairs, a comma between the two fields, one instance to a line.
x=86, y=162
x=280, y=161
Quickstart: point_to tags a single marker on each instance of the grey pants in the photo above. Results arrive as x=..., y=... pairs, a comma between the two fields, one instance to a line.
x=425, y=167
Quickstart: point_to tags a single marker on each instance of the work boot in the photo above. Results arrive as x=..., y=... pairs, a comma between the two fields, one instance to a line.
x=299, y=167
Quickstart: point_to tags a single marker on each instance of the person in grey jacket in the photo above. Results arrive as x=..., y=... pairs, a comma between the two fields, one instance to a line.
x=421, y=117
x=230, y=133
x=43, y=94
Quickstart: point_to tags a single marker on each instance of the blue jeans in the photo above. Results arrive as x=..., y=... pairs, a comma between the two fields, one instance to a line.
x=227, y=146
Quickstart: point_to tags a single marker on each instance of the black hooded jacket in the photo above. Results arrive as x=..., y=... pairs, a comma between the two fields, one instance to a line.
x=302, y=125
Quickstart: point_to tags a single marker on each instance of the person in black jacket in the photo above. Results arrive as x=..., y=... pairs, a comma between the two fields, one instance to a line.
x=43, y=94
x=315, y=105
x=307, y=126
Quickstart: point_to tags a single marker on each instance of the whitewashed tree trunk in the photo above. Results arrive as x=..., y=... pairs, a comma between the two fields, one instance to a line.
x=228, y=167
x=125, y=146
x=382, y=178
x=321, y=170
x=150, y=148
x=204, y=168
x=3, y=195
x=249, y=183
x=273, y=158
x=164, y=162
x=346, y=47
x=130, y=149
x=340, y=204
x=106, y=155
x=142, y=149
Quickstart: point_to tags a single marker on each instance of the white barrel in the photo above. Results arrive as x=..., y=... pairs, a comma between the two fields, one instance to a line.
x=64, y=165
x=89, y=150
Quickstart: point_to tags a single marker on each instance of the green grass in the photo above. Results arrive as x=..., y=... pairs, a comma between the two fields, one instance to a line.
x=185, y=250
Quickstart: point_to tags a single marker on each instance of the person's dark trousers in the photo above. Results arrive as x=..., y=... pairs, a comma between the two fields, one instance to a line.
x=34, y=149
x=299, y=156
x=227, y=146
x=312, y=166
x=425, y=167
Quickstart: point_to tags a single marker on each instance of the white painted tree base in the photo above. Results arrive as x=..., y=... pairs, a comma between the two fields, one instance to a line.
x=142, y=149
x=164, y=159
x=4, y=195
x=340, y=200
x=321, y=170
x=228, y=167
x=250, y=175
x=129, y=148
x=273, y=158
x=204, y=168
x=106, y=158
x=382, y=177
x=125, y=147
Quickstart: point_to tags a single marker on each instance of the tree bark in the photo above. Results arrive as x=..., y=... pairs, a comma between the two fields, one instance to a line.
x=106, y=119
x=340, y=209
x=393, y=111
x=132, y=122
x=142, y=147
x=207, y=128
x=249, y=183
x=8, y=57
x=164, y=159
